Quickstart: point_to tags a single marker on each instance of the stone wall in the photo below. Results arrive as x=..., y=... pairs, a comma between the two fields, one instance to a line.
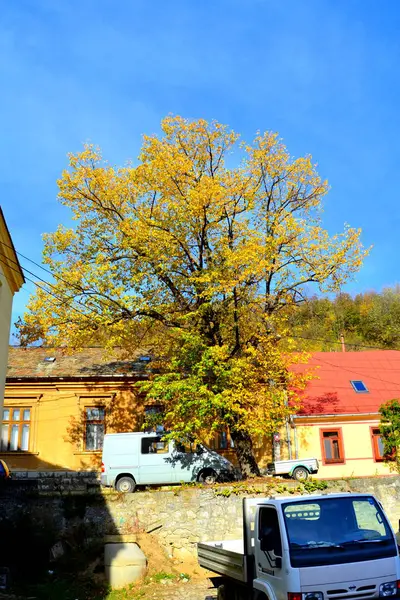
x=179, y=517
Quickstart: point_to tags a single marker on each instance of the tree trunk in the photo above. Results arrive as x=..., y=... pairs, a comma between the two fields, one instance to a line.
x=245, y=454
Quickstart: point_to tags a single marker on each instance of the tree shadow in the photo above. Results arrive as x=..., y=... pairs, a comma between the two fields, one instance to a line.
x=123, y=412
x=52, y=544
x=316, y=405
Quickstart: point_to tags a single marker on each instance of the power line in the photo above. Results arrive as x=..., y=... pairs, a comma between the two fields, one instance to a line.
x=61, y=300
x=79, y=288
x=82, y=290
x=302, y=337
x=396, y=383
x=45, y=282
x=39, y=286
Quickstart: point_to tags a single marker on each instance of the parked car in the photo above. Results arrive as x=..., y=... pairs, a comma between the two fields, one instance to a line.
x=4, y=471
x=299, y=468
x=131, y=459
x=308, y=548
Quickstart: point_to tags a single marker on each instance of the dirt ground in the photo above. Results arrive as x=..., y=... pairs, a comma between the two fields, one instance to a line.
x=192, y=590
x=193, y=583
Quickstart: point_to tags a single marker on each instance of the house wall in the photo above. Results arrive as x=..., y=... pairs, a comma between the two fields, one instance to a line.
x=6, y=298
x=357, y=445
x=57, y=430
x=57, y=427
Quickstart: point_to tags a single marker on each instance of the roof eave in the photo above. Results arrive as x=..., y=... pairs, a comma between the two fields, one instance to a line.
x=14, y=272
x=69, y=378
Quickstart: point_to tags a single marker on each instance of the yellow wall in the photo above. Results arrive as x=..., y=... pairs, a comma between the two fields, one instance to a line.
x=357, y=444
x=57, y=429
x=11, y=279
x=57, y=426
x=6, y=298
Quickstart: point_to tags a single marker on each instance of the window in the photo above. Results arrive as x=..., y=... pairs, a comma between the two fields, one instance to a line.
x=188, y=448
x=222, y=441
x=269, y=526
x=377, y=445
x=359, y=387
x=332, y=446
x=154, y=445
x=94, y=428
x=152, y=418
x=15, y=429
x=337, y=530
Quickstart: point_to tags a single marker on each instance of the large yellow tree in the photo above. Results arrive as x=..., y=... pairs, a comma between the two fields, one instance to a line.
x=196, y=256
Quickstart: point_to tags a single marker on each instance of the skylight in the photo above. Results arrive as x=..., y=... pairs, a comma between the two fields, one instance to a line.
x=359, y=387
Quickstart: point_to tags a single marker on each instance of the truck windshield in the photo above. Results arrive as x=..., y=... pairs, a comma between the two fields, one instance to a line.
x=337, y=531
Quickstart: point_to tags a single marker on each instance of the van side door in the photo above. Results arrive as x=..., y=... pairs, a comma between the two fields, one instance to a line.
x=269, y=555
x=155, y=461
x=186, y=462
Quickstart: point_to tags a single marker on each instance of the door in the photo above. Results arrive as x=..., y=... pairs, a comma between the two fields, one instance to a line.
x=185, y=462
x=269, y=554
x=155, y=461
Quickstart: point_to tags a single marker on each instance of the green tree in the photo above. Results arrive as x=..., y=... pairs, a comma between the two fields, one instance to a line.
x=390, y=430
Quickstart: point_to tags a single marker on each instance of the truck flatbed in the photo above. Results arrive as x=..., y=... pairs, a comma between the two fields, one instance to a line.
x=226, y=557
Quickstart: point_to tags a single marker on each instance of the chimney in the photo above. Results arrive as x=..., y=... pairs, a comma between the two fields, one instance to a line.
x=342, y=342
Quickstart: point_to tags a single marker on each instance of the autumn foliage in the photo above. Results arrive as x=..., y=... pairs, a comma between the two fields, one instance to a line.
x=198, y=255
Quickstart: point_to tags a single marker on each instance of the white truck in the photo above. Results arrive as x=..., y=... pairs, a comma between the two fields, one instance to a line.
x=298, y=468
x=329, y=547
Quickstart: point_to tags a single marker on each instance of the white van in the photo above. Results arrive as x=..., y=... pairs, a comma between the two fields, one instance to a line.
x=131, y=459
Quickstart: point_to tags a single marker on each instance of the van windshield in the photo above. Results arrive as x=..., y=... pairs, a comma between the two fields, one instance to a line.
x=336, y=531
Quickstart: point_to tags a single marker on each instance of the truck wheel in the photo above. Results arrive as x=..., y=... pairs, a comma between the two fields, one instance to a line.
x=300, y=474
x=228, y=592
x=207, y=476
x=126, y=485
x=221, y=593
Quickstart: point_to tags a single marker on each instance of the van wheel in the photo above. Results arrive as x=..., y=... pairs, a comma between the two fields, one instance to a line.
x=126, y=485
x=300, y=474
x=207, y=476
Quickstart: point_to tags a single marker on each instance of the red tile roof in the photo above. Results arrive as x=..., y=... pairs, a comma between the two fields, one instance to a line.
x=332, y=392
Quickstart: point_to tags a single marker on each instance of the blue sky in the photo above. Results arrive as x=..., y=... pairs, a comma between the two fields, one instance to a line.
x=324, y=74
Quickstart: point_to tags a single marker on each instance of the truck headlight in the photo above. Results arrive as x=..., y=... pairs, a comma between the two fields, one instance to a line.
x=388, y=589
x=313, y=596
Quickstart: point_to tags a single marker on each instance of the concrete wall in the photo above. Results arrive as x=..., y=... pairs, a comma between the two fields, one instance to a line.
x=178, y=518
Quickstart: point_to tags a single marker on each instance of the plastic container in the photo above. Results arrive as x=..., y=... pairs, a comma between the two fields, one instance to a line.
x=124, y=564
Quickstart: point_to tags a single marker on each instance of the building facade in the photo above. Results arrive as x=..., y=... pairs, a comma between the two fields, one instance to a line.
x=57, y=407
x=338, y=422
x=11, y=280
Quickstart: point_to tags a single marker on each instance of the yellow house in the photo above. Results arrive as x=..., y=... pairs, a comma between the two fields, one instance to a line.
x=57, y=407
x=339, y=419
x=11, y=280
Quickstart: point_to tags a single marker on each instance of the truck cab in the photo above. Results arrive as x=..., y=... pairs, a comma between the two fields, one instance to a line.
x=331, y=547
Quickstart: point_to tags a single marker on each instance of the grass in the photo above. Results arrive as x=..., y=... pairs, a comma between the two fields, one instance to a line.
x=72, y=588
